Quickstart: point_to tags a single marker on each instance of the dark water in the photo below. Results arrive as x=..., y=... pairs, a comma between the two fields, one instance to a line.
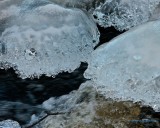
x=35, y=91
x=107, y=34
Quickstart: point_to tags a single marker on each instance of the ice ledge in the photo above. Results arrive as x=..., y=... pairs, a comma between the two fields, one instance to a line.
x=47, y=39
x=128, y=67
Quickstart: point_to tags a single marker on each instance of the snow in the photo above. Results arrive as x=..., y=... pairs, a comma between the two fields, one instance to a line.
x=45, y=38
x=128, y=67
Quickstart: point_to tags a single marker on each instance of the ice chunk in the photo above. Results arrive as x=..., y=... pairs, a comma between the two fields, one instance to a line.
x=128, y=68
x=9, y=124
x=124, y=14
x=45, y=38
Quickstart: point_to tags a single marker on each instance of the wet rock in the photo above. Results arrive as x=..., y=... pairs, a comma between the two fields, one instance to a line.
x=78, y=107
x=86, y=108
x=124, y=14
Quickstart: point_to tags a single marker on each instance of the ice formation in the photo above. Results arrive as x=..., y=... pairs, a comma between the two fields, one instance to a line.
x=44, y=38
x=128, y=67
x=9, y=124
x=83, y=4
x=124, y=14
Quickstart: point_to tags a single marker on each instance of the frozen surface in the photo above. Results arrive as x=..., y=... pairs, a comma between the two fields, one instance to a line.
x=128, y=68
x=9, y=124
x=83, y=4
x=44, y=38
x=124, y=14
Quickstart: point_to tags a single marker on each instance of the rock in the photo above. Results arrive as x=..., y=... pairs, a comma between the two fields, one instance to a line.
x=128, y=67
x=9, y=124
x=76, y=106
x=85, y=108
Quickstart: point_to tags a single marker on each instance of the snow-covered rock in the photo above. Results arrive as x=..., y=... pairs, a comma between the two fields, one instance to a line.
x=44, y=38
x=128, y=67
x=78, y=106
x=85, y=108
x=9, y=124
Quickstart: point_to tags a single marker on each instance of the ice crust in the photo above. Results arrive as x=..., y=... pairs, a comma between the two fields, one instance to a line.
x=9, y=124
x=124, y=14
x=45, y=38
x=128, y=67
x=83, y=4
x=78, y=106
